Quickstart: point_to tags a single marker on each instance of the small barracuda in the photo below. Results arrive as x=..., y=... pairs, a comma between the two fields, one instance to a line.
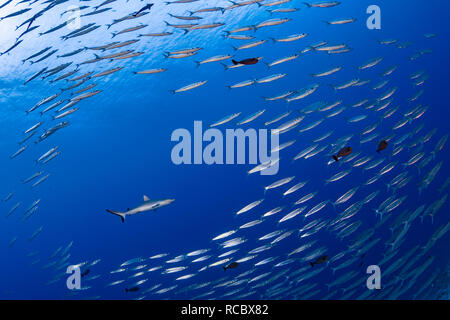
x=225, y=120
x=190, y=87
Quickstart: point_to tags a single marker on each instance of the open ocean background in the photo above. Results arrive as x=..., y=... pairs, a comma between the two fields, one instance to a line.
x=117, y=148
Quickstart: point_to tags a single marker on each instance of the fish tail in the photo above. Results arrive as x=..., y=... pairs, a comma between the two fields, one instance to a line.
x=117, y=213
x=312, y=264
x=224, y=268
x=113, y=35
x=336, y=158
x=234, y=61
x=185, y=31
x=307, y=4
x=225, y=66
x=198, y=63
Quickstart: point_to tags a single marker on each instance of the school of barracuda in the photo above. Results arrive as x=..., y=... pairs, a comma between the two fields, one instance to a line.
x=410, y=155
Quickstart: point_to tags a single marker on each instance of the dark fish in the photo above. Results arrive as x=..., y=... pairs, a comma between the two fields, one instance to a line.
x=115, y=21
x=27, y=137
x=342, y=153
x=44, y=57
x=77, y=31
x=14, y=45
x=26, y=31
x=95, y=12
x=85, y=273
x=62, y=25
x=81, y=33
x=6, y=3
x=147, y=7
x=36, y=75
x=247, y=62
x=382, y=145
x=72, y=10
x=36, y=54
x=64, y=76
x=231, y=266
x=16, y=13
x=319, y=260
x=77, y=84
x=29, y=21
x=51, y=131
x=133, y=289
x=71, y=53
x=54, y=71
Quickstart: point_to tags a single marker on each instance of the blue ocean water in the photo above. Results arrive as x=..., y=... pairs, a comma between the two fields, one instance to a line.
x=118, y=147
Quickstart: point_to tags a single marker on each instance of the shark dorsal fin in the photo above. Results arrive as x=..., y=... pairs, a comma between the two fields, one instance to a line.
x=146, y=198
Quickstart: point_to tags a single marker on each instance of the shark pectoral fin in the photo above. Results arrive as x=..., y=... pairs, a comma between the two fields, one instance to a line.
x=146, y=198
x=120, y=214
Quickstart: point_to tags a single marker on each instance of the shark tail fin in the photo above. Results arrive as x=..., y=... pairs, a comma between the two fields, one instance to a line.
x=117, y=213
